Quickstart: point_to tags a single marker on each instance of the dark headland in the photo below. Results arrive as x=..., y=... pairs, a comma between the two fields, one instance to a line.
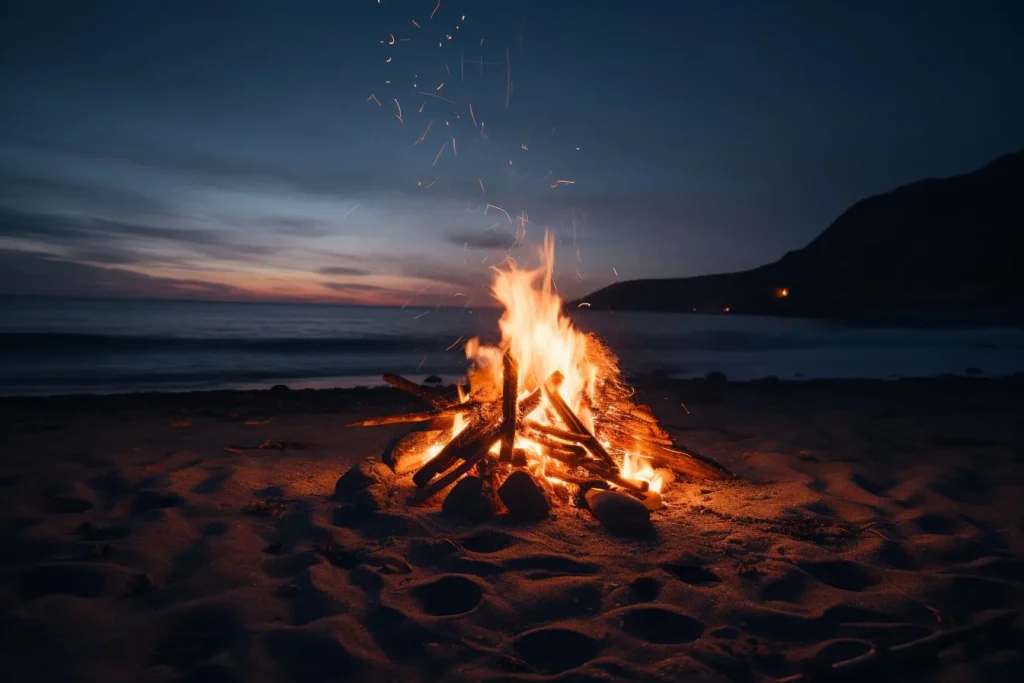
x=938, y=250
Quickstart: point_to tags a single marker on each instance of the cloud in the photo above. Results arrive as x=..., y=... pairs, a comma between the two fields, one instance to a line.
x=344, y=270
x=489, y=239
x=36, y=273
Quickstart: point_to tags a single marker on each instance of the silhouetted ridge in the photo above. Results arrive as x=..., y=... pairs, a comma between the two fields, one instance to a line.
x=934, y=248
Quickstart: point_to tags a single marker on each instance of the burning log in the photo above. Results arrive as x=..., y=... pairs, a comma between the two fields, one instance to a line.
x=424, y=416
x=509, y=397
x=408, y=386
x=462, y=446
x=528, y=405
x=571, y=437
x=544, y=442
x=572, y=422
x=474, y=454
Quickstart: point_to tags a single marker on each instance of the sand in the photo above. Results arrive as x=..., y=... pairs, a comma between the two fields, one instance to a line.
x=136, y=548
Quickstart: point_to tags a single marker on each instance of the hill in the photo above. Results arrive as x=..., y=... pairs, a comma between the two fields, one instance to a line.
x=934, y=250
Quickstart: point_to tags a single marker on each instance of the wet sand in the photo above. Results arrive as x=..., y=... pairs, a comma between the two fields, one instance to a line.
x=136, y=548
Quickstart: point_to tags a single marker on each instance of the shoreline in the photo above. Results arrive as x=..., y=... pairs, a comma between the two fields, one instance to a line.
x=157, y=536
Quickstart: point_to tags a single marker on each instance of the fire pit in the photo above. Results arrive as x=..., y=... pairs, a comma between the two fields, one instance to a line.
x=548, y=401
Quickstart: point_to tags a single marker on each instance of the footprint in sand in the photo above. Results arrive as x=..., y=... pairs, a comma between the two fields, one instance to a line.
x=695, y=575
x=842, y=574
x=660, y=625
x=449, y=595
x=84, y=580
x=488, y=542
x=554, y=650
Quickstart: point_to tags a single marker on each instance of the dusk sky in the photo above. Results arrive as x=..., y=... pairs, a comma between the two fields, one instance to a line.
x=357, y=151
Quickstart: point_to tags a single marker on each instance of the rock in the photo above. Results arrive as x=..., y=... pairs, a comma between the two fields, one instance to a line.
x=143, y=583
x=652, y=501
x=150, y=499
x=471, y=498
x=361, y=476
x=716, y=377
x=619, y=512
x=433, y=379
x=279, y=391
x=523, y=497
x=371, y=499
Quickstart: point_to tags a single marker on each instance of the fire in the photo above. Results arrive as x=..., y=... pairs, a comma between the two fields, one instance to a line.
x=542, y=343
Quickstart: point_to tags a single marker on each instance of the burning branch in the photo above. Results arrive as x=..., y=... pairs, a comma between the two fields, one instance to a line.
x=574, y=423
x=399, y=382
x=509, y=396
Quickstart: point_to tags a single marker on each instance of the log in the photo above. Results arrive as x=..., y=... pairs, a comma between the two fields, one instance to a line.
x=544, y=441
x=509, y=399
x=574, y=424
x=423, y=416
x=872, y=663
x=442, y=482
x=528, y=405
x=690, y=463
x=459, y=447
x=564, y=435
x=600, y=470
x=408, y=386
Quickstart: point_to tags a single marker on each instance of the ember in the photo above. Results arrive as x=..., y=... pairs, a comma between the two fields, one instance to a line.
x=549, y=400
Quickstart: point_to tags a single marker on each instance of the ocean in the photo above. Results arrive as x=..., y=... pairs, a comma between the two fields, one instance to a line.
x=70, y=346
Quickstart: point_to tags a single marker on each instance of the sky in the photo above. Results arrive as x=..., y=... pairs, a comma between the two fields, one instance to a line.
x=393, y=152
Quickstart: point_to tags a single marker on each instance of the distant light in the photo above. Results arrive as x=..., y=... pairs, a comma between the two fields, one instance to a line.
x=725, y=310
x=781, y=292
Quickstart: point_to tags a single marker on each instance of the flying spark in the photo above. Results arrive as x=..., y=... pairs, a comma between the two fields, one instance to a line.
x=392, y=41
x=374, y=98
x=432, y=183
x=481, y=186
x=472, y=115
x=492, y=206
x=435, y=95
x=563, y=182
x=415, y=24
x=455, y=149
x=399, y=112
x=349, y=213
x=438, y=88
x=427, y=130
x=439, y=153
x=435, y=9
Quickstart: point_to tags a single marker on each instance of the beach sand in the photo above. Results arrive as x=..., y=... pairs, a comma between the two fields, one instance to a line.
x=136, y=548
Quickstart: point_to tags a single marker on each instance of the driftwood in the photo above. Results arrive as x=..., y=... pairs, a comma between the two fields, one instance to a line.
x=478, y=453
x=874, y=662
x=424, y=416
x=509, y=396
x=408, y=386
x=544, y=441
x=598, y=469
x=462, y=446
x=528, y=405
x=573, y=423
x=564, y=435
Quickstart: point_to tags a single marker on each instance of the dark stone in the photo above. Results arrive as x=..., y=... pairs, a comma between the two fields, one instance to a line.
x=371, y=499
x=279, y=390
x=524, y=497
x=433, y=379
x=361, y=476
x=471, y=498
x=149, y=499
x=143, y=583
x=619, y=512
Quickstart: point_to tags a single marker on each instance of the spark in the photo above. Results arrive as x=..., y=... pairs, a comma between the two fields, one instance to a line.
x=685, y=408
x=349, y=213
x=438, y=88
x=460, y=336
x=424, y=360
x=435, y=9
x=525, y=148
x=392, y=41
x=439, y=153
x=435, y=95
x=616, y=272
x=508, y=78
x=481, y=186
x=421, y=107
x=583, y=304
x=563, y=182
x=455, y=149
x=374, y=98
x=415, y=24
x=388, y=60
x=399, y=112
x=447, y=70
x=472, y=115
x=432, y=183
x=417, y=317
x=579, y=275
x=492, y=206
x=427, y=130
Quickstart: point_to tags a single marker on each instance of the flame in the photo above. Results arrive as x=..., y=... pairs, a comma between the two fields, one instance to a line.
x=542, y=341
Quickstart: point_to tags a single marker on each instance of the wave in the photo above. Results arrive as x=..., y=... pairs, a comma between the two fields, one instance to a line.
x=48, y=343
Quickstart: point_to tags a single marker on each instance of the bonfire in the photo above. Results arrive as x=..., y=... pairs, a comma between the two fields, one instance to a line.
x=549, y=401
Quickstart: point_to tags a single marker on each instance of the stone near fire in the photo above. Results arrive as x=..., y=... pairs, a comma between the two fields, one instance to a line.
x=362, y=476
x=472, y=498
x=404, y=454
x=619, y=512
x=524, y=497
x=652, y=501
